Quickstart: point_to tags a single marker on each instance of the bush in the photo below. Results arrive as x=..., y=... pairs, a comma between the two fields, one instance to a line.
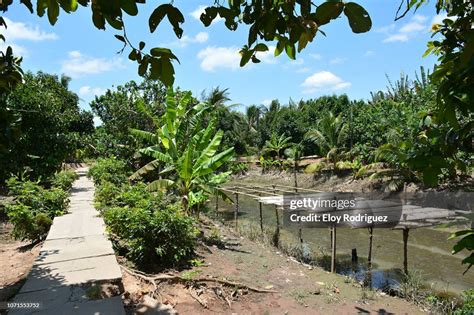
x=28, y=224
x=146, y=227
x=165, y=237
x=34, y=208
x=64, y=179
x=109, y=170
x=468, y=303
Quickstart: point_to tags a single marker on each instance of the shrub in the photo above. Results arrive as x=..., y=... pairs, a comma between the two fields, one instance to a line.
x=28, y=224
x=165, y=237
x=109, y=170
x=64, y=179
x=468, y=303
x=34, y=208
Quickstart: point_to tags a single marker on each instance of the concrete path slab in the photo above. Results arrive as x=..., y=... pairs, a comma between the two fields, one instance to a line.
x=76, y=253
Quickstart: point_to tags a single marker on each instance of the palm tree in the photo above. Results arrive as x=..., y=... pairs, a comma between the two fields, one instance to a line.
x=277, y=143
x=186, y=150
x=294, y=153
x=329, y=136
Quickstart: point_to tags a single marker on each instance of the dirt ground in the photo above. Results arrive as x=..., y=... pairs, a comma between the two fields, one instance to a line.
x=16, y=259
x=299, y=288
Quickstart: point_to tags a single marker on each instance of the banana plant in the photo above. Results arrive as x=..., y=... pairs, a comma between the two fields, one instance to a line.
x=185, y=149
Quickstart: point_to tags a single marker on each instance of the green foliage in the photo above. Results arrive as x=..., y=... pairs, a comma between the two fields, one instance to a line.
x=185, y=150
x=276, y=144
x=147, y=227
x=466, y=242
x=467, y=304
x=34, y=208
x=64, y=179
x=41, y=125
x=293, y=24
x=329, y=136
x=110, y=170
x=27, y=224
x=126, y=106
x=164, y=237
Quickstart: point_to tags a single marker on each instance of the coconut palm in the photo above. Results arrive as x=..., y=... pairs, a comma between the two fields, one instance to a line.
x=329, y=135
x=185, y=150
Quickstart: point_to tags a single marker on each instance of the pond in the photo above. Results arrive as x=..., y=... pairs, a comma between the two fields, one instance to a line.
x=429, y=251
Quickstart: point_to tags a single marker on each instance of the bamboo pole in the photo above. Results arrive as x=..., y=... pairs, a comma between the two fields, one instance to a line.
x=405, y=250
x=333, y=248
x=236, y=209
x=261, y=215
x=369, y=258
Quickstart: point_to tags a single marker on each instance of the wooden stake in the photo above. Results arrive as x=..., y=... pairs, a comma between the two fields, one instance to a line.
x=217, y=203
x=369, y=258
x=236, y=209
x=333, y=249
x=405, y=250
x=261, y=216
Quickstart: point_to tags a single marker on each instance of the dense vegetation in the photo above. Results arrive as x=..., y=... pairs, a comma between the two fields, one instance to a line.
x=149, y=228
x=41, y=126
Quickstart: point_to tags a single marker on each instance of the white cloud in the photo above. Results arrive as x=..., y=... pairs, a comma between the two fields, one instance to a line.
x=386, y=29
x=396, y=38
x=200, y=10
x=184, y=41
x=337, y=61
x=412, y=27
x=324, y=81
x=78, y=64
x=23, y=31
x=419, y=18
x=213, y=57
x=409, y=30
x=316, y=56
x=369, y=53
x=90, y=91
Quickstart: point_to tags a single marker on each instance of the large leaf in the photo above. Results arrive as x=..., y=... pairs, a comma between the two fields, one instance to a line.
x=211, y=149
x=145, y=135
x=160, y=185
x=212, y=164
x=150, y=167
x=359, y=19
x=328, y=11
x=154, y=151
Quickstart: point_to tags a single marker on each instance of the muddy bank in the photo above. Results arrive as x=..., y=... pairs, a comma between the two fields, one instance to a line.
x=429, y=250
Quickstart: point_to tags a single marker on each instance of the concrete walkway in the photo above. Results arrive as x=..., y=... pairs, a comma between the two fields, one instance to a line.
x=75, y=255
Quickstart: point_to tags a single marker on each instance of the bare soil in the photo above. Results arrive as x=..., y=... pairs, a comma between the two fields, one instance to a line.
x=299, y=288
x=16, y=259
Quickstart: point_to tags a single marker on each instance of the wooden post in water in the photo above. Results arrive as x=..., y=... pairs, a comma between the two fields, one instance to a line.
x=333, y=248
x=369, y=257
x=236, y=209
x=405, y=250
x=276, y=236
x=261, y=214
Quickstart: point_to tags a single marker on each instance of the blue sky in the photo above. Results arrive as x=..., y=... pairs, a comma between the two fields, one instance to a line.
x=342, y=62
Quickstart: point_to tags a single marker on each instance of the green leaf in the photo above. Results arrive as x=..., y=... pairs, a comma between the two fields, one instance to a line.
x=160, y=185
x=246, y=55
x=53, y=11
x=129, y=6
x=359, y=19
x=120, y=38
x=290, y=50
x=328, y=11
x=157, y=16
x=167, y=72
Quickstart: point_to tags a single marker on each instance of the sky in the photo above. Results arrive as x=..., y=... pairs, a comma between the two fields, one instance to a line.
x=340, y=63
